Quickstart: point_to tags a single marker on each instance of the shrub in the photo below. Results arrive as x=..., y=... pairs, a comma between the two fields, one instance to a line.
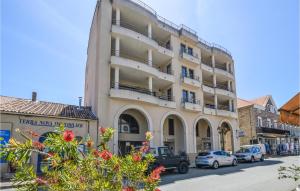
x=71, y=168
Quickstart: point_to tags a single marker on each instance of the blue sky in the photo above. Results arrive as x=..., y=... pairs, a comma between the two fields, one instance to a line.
x=43, y=43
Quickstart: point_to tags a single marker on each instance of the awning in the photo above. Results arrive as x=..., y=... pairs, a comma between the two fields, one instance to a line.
x=290, y=111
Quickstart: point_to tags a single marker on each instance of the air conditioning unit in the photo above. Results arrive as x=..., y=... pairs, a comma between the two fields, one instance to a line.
x=125, y=128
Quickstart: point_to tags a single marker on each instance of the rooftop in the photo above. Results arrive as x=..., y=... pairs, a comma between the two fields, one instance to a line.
x=44, y=108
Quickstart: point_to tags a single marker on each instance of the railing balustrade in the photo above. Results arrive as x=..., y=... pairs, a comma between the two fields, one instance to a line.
x=190, y=100
x=193, y=77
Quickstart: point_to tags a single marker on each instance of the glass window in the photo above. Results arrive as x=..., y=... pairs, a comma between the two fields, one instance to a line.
x=192, y=97
x=191, y=73
x=182, y=48
x=183, y=71
x=169, y=69
x=128, y=124
x=218, y=153
x=171, y=126
x=185, y=95
x=164, y=151
x=169, y=94
x=190, y=51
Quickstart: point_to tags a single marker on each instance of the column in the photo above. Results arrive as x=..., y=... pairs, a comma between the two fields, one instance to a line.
x=227, y=66
x=216, y=101
x=215, y=80
x=230, y=105
x=118, y=16
x=117, y=72
x=150, y=83
x=213, y=61
x=150, y=57
x=117, y=46
x=149, y=30
x=228, y=85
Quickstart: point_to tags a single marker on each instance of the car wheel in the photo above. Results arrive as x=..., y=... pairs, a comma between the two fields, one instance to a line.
x=183, y=168
x=234, y=162
x=215, y=165
x=252, y=159
x=262, y=158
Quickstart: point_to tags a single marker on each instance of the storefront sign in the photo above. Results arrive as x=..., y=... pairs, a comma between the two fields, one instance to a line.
x=241, y=133
x=4, y=138
x=45, y=123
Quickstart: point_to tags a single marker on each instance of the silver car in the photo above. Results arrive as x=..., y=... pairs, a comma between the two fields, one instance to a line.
x=249, y=153
x=215, y=159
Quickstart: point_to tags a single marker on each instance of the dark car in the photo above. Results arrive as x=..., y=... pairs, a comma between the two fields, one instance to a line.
x=165, y=157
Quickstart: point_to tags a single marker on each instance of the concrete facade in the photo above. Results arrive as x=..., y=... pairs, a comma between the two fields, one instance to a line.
x=160, y=73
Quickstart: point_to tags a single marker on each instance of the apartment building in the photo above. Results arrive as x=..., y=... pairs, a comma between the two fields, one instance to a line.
x=145, y=73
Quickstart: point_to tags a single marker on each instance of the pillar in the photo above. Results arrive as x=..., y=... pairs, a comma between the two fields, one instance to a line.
x=150, y=57
x=117, y=72
x=230, y=105
x=227, y=66
x=117, y=46
x=149, y=30
x=228, y=85
x=213, y=61
x=216, y=101
x=118, y=16
x=215, y=80
x=150, y=83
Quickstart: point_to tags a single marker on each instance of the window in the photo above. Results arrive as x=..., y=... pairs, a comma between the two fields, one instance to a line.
x=218, y=153
x=169, y=69
x=182, y=48
x=171, y=126
x=128, y=124
x=169, y=94
x=259, y=122
x=192, y=97
x=190, y=51
x=208, y=132
x=184, y=95
x=183, y=71
x=191, y=73
x=164, y=151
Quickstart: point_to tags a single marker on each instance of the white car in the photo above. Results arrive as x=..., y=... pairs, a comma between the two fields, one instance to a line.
x=250, y=153
x=215, y=159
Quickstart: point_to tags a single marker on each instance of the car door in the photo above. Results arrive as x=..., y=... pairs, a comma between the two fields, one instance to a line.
x=219, y=157
x=165, y=157
x=227, y=158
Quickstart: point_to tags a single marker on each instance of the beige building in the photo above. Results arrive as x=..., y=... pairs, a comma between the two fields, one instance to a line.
x=42, y=117
x=145, y=73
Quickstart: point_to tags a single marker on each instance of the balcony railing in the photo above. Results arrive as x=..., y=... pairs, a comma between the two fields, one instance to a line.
x=207, y=64
x=190, y=100
x=224, y=107
x=210, y=106
x=130, y=26
x=189, y=53
x=142, y=60
x=223, y=68
x=223, y=87
x=207, y=83
x=193, y=77
x=138, y=89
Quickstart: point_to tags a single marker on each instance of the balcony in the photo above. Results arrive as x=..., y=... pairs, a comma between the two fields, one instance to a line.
x=188, y=33
x=222, y=71
x=209, y=109
x=140, y=64
x=191, y=104
x=207, y=67
x=224, y=110
x=190, y=57
x=129, y=30
x=193, y=81
x=223, y=90
x=130, y=92
x=208, y=87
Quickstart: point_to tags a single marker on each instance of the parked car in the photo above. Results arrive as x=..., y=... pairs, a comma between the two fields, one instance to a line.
x=165, y=157
x=214, y=159
x=250, y=153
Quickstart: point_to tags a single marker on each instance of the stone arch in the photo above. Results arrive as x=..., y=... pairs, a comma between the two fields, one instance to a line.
x=184, y=125
x=116, y=123
x=225, y=147
x=194, y=131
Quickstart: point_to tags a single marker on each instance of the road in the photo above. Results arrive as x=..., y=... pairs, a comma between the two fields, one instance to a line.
x=258, y=176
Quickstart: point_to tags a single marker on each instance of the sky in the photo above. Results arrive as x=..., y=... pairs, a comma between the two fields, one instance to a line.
x=44, y=44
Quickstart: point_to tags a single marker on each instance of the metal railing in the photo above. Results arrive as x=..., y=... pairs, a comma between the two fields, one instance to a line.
x=130, y=26
x=210, y=106
x=123, y=86
x=224, y=107
x=171, y=24
x=209, y=84
x=223, y=87
x=207, y=64
x=193, y=77
x=190, y=100
x=186, y=52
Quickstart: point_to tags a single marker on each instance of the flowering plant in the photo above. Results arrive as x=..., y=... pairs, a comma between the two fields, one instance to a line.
x=71, y=168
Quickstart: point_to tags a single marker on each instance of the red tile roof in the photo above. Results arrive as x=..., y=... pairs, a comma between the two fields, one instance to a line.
x=27, y=106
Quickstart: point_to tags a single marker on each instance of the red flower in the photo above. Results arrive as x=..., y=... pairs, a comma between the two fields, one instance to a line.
x=156, y=189
x=68, y=136
x=136, y=157
x=128, y=189
x=38, y=145
x=102, y=130
x=96, y=153
x=106, y=155
x=155, y=174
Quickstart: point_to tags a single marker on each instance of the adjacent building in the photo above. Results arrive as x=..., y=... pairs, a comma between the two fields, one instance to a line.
x=259, y=122
x=42, y=117
x=145, y=73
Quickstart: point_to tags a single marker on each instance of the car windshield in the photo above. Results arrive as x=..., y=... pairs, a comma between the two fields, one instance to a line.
x=203, y=154
x=244, y=150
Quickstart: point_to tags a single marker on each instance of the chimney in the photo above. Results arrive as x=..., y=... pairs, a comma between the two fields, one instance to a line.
x=80, y=100
x=33, y=97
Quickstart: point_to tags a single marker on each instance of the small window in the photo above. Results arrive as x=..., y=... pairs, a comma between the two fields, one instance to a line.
x=218, y=153
x=190, y=51
x=183, y=71
x=169, y=69
x=164, y=151
x=128, y=124
x=191, y=73
x=192, y=97
x=182, y=48
x=171, y=126
x=185, y=95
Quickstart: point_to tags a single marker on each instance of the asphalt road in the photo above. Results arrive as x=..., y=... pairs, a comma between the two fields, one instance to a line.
x=258, y=176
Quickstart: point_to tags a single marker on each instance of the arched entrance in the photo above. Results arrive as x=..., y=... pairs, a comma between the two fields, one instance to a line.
x=203, y=135
x=174, y=133
x=132, y=126
x=226, y=136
